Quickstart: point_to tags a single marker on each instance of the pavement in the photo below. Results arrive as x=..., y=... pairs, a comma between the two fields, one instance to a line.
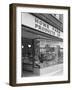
x=54, y=70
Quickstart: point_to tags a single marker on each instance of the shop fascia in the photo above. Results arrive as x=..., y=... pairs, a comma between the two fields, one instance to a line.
x=45, y=27
x=40, y=25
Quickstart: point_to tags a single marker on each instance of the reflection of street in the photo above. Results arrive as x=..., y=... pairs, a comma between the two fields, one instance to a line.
x=52, y=70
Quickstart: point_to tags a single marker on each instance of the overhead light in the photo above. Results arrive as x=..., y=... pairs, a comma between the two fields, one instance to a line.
x=22, y=46
x=29, y=45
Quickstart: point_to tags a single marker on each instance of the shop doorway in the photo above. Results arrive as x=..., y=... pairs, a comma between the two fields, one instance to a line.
x=27, y=55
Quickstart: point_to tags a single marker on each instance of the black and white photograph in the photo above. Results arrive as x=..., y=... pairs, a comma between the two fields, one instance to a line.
x=40, y=44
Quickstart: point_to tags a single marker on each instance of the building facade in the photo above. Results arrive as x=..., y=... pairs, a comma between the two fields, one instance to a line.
x=42, y=41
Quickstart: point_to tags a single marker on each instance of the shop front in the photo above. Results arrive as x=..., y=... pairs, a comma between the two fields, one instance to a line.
x=41, y=47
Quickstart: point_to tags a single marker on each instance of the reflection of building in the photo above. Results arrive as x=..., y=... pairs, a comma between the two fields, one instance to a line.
x=42, y=41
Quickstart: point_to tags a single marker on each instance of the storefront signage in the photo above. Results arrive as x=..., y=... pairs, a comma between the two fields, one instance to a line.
x=44, y=27
x=40, y=25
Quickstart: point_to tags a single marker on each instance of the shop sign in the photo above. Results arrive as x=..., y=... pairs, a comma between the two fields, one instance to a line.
x=38, y=24
x=44, y=27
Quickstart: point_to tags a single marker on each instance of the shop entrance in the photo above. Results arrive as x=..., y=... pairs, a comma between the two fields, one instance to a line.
x=27, y=47
x=27, y=54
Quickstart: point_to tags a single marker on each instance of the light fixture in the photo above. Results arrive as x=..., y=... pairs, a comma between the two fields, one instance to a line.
x=29, y=45
x=22, y=46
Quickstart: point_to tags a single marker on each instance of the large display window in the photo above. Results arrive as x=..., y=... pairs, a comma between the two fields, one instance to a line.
x=39, y=52
x=47, y=53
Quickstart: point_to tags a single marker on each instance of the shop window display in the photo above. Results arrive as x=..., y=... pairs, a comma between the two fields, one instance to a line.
x=39, y=53
x=47, y=55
